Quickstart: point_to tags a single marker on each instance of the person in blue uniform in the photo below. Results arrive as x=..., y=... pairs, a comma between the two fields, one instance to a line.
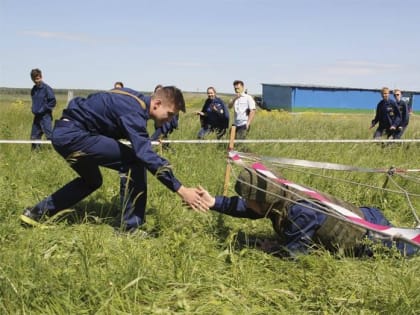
x=388, y=116
x=43, y=103
x=162, y=132
x=405, y=113
x=87, y=137
x=214, y=116
x=118, y=85
x=300, y=223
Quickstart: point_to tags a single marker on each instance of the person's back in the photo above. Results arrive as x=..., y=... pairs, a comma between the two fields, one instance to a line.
x=98, y=113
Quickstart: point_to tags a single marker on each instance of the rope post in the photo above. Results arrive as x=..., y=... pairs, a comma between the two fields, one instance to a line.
x=160, y=145
x=228, y=166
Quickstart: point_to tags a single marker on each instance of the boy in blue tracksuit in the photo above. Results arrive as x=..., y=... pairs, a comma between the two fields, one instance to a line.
x=161, y=132
x=43, y=103
x=387, y=115
x=87, y=137
x=214, y=116
x=405, y=113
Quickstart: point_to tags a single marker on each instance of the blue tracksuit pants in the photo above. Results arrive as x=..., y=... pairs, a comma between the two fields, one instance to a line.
x=85, y=152
x=42, y=124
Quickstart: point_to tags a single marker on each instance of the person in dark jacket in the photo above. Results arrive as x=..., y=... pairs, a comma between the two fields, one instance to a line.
x=214, y=116
x=388, y=116
x=405, y=113
x=87, y=137
x=43, y=103
x=300, y=223
x=162, y=132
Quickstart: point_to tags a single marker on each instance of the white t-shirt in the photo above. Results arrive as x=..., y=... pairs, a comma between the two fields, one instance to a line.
x=241, y=105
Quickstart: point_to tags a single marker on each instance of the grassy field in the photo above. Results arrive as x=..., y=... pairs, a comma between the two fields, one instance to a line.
x=194, y=263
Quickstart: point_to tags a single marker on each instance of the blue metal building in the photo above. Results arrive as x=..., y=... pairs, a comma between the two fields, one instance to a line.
x=290, y=96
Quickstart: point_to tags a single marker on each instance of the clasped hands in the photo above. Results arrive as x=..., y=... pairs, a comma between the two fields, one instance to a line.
x=197, y=198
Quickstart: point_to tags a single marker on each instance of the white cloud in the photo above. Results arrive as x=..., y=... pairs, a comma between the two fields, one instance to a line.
x=186, y=64
x=358, y=67
x=74, y=37
x=58, y=35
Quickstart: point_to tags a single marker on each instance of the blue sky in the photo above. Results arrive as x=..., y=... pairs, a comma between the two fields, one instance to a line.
x=194, y=44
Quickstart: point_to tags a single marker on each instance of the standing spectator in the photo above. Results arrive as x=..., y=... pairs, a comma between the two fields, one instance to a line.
x=387, y=115
x=244, y=109
x=214, y=116
x=405, y=114
x=87, y=137
x=118, y=85
x=43, y=102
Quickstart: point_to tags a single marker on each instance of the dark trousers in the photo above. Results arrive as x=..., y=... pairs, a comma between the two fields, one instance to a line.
x=42, y=124
x=85, y=152
x=375, y=216
x=380, y=131
x=241, y=132
x=207, y=129
x=399, y=132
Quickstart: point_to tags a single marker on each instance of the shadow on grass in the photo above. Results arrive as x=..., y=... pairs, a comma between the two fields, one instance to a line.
x=94, y=212
x=240, y=240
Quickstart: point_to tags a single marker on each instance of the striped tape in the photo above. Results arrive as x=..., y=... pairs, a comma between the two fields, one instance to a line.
x=410, y=235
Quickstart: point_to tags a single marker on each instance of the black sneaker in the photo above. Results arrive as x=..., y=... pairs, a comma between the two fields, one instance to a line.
x=30, y=217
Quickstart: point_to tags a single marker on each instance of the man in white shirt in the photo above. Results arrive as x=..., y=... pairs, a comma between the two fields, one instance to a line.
x=244, y=109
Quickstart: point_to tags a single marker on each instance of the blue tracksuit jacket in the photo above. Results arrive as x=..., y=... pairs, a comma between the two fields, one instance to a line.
x=43, y=99
x=216, y=114
x=121, y=117
x=387, y=115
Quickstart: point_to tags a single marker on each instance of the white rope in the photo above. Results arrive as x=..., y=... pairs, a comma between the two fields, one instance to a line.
x=49, y=142
x=241, y=141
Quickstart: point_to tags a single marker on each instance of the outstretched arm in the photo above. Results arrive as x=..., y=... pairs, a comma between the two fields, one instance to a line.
x=233, y=206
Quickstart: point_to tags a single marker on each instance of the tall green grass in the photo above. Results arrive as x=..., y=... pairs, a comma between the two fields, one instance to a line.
x=193, y=263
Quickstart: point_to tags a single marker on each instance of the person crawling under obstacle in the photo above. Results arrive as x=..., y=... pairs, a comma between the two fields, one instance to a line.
x=303, y=223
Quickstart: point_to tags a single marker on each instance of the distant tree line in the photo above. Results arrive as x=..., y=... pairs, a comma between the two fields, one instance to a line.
x=27, y=91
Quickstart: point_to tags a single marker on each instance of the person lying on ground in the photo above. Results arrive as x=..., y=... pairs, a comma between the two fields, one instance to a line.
x=301, y=223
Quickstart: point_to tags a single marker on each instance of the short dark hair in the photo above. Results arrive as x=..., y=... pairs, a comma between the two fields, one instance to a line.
x=236, y=82
x=118, y=83
x=173, y=95
x=35, y=73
